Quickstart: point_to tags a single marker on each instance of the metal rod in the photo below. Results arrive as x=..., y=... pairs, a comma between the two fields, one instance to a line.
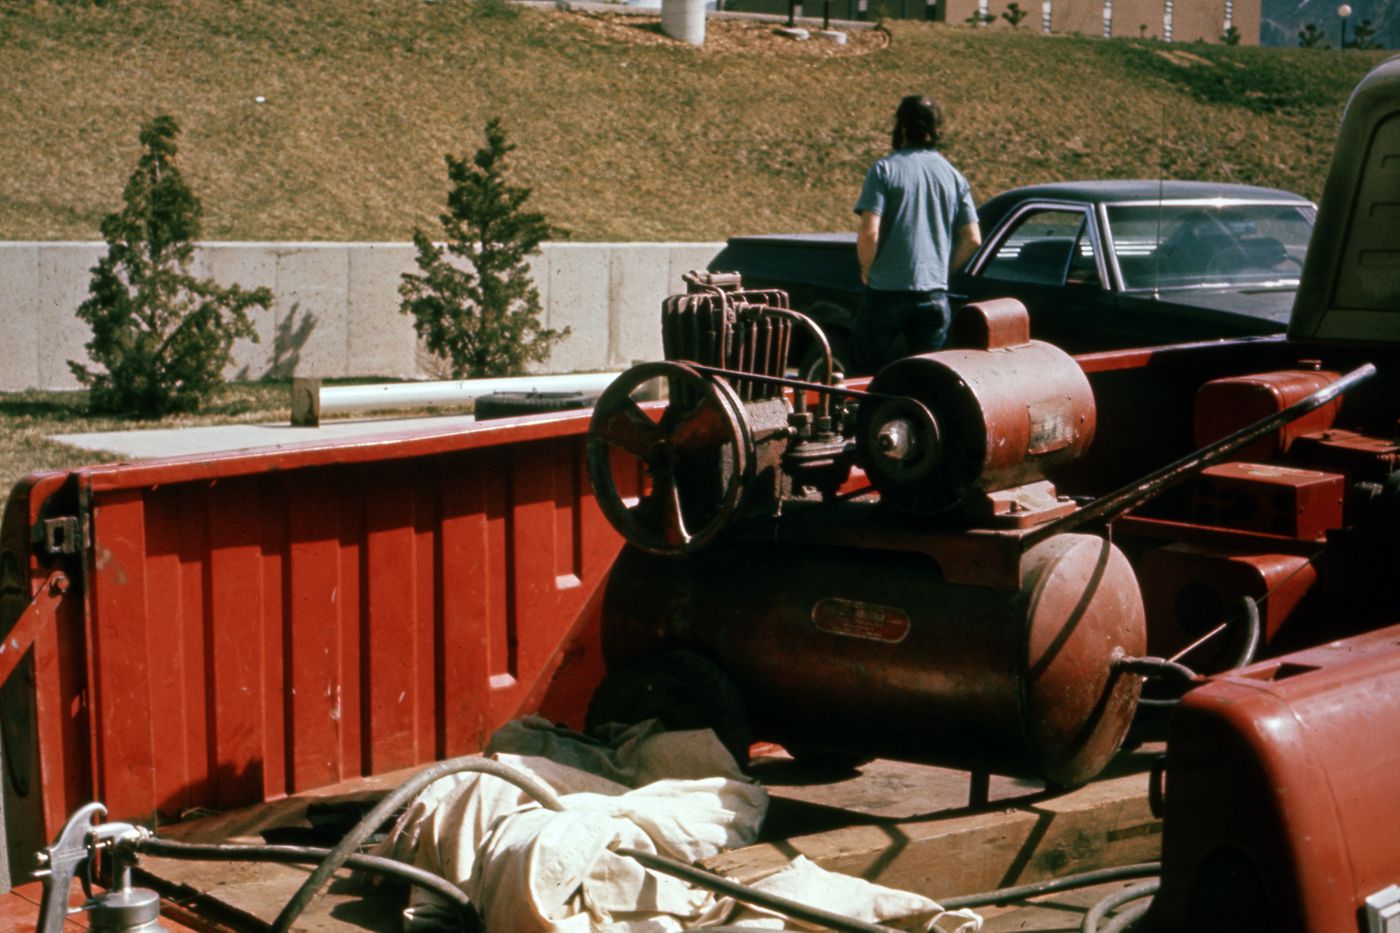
x=1140, y=491
x=817, y=334
x=1052, y=885
x=720, y=885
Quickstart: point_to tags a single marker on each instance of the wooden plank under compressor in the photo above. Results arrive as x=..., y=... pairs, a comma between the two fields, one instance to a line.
x=1103, y=824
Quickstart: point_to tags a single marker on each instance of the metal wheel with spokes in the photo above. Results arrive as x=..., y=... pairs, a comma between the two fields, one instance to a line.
x=696, y=456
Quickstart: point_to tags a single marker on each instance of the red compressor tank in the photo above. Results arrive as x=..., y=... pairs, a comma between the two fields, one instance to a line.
x=870, y=651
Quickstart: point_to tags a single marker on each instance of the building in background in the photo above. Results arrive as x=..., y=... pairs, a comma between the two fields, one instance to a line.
x=1168, y=20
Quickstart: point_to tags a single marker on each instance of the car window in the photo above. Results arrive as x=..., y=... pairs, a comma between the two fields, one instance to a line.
x=1046, y=247
x=1180, y=245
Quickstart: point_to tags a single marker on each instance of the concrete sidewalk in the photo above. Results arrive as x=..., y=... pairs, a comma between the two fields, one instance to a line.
x=179, y=442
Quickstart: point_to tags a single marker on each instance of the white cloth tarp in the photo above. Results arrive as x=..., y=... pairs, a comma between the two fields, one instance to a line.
x=679, y=794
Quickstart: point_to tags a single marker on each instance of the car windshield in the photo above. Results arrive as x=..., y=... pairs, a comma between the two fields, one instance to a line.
x=1210, y=244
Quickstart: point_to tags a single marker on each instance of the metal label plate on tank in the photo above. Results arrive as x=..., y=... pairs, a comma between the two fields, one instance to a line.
x=861, y=620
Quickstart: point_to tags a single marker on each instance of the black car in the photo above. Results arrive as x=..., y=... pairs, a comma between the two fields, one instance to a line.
x=1107, y=264
x=1100, y=264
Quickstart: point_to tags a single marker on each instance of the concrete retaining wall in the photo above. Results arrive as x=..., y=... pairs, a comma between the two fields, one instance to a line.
x=337, y=306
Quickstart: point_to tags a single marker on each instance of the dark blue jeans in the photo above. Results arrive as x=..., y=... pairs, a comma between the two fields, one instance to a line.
x=921, y=318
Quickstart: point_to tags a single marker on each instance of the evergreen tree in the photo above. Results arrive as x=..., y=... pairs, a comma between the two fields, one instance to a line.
x=161, y=337
x=482, y=320
x=1364, y=36
x=1013, y=14
x=1311, y=36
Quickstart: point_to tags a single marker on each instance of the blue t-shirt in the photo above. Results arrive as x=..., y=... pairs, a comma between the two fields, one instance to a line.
x=921, y=200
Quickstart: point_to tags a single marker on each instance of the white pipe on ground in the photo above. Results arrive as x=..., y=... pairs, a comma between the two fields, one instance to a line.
x=311, y=400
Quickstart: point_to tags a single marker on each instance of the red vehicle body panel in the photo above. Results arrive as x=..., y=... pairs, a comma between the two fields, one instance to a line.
x=1283, y=775
x=260, y=623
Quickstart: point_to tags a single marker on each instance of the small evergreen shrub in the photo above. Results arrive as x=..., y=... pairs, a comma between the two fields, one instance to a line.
x=1013, y=14
x=481, y=315
x=1364, y=37
x=1311, y=36
x=160, y=336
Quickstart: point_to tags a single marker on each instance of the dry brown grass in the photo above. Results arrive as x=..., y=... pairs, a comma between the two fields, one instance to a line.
x=624, y=133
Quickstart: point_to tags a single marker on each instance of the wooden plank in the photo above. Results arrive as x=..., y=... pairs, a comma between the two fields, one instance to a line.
x=893, y=790
x=1102, y=824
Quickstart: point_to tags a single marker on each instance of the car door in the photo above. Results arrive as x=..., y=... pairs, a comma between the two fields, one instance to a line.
x=1048, y=256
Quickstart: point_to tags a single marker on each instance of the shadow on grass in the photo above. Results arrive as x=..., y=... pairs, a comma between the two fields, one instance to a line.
x=46, y=407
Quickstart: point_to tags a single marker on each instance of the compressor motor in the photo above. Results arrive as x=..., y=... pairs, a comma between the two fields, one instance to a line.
x=770, y=593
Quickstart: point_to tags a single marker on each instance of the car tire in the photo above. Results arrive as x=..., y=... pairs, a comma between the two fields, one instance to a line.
x=511, y=404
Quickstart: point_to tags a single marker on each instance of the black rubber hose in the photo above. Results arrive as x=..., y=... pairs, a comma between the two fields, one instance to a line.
x=1051, y=885
x=1156, y=669
x=1096, y=914
x=302, y=855
x=721, y=885
x=1253, y=637
x=397, y=798
x=1126, y=918
x=1253, y=634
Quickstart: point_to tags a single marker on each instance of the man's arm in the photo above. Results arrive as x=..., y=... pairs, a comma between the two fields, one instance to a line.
x=867, y=242
x=966, y=239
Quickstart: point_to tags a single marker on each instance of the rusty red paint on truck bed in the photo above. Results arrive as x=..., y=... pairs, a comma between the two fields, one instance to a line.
x=269, y=621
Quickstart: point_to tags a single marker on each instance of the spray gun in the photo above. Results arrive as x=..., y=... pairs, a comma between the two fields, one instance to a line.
x=123, y=909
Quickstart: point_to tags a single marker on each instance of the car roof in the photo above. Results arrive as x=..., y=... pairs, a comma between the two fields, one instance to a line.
x=1118, y=190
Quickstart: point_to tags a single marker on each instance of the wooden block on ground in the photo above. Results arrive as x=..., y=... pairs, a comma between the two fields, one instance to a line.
x=1103, y=824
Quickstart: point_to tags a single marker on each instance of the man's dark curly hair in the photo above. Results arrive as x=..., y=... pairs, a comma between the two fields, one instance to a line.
x=918, y=122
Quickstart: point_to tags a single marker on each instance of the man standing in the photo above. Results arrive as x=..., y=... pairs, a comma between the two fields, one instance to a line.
x=917, y=222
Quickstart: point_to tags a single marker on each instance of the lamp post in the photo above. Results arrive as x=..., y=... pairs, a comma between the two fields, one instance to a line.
x=1343, y=11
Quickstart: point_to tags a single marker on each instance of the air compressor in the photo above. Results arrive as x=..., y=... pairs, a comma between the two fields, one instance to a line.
x=856, y=572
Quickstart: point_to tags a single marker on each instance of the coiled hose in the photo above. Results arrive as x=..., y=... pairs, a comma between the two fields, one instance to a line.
x=399, y=797
x=1163, y=669
x=301, y=855
x=1125, y=919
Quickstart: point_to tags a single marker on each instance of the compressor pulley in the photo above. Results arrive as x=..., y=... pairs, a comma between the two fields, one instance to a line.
x=695, y=457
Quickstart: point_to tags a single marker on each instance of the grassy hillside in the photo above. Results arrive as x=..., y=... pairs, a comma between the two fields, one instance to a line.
x=625, y=134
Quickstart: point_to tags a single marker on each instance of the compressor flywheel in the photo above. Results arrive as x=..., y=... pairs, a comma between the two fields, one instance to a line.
x=689, y=460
